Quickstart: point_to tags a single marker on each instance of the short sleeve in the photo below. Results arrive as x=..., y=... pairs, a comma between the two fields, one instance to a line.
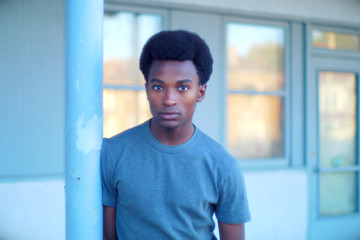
x=233, y=206
x=109, y=196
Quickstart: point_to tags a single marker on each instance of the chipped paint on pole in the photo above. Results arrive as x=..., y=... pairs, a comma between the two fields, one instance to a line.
x=84, y=28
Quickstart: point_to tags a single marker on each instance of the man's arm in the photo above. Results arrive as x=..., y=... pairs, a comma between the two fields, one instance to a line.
x=109, y=225
x=231, y=231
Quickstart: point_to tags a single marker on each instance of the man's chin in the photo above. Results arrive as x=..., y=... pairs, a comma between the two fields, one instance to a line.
x=167, y=124
x=170, y=125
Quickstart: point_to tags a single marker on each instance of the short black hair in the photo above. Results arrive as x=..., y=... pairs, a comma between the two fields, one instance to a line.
x=178, y=45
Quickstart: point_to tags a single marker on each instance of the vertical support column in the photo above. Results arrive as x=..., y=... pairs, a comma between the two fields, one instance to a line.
x=84, y=28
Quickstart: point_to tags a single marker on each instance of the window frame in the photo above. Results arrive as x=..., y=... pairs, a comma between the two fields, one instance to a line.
x=333, y=61
x=268, y=163
x=314, y=56
x=335, y=53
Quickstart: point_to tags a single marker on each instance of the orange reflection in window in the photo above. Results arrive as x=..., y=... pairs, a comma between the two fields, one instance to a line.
x=337, y=119
x=255, y=126
x=255, y=57
x=124, y=109
x=334, y=40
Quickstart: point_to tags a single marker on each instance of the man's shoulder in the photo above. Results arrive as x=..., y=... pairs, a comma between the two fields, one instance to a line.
x=213, y=148
x=210, y=144
x=220, y=160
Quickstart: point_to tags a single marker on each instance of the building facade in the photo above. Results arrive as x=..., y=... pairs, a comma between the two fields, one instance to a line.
x=283, y=99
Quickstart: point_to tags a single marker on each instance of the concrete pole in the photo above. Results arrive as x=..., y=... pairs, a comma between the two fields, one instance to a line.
x=84, y=28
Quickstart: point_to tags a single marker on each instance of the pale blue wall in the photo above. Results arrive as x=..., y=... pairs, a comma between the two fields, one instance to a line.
x=32, y=106
x=32, y=210
x=32, y=88
x=32, y=103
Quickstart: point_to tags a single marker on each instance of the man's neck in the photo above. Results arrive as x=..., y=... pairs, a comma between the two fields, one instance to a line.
x=172, y=136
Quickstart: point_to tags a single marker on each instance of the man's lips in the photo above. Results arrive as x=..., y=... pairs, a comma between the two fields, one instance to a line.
x=168, y=115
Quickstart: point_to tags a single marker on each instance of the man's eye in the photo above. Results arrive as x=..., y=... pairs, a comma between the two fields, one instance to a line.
x=157, y=87
x=183, y=88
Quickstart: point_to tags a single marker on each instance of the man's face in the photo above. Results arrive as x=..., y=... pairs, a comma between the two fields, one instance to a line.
x=173, y=91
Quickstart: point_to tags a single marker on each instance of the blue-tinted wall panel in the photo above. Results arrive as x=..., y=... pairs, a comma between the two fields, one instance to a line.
x=32, y=86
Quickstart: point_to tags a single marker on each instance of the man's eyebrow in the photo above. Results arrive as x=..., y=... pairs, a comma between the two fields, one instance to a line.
x=184, y=81
x=156, y=81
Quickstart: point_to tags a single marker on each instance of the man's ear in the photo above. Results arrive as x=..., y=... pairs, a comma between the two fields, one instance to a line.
x=201, y=92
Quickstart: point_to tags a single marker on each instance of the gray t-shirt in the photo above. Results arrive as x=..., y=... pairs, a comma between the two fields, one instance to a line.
x=170, y=192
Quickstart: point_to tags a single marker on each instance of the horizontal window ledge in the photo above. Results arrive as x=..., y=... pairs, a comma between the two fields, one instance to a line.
x=338, y=169
x=258, y=164
x=269, y=93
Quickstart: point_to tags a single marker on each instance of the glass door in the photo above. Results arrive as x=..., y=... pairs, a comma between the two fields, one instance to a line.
x=333, y=143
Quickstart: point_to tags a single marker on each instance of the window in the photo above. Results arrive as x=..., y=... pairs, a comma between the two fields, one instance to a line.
x=256, y=92
x=335, y=40
x=337, y=122
x=124, y=96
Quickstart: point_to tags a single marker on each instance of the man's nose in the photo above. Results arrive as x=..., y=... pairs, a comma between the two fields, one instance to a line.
x=169, y=98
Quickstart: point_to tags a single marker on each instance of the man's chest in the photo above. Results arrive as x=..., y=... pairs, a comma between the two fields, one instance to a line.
x=151, y=184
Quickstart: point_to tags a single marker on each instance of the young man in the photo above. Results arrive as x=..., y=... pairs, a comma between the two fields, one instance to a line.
x=164, y=179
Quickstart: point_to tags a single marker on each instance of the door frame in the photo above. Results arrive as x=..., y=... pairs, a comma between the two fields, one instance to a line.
x=320, y=227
